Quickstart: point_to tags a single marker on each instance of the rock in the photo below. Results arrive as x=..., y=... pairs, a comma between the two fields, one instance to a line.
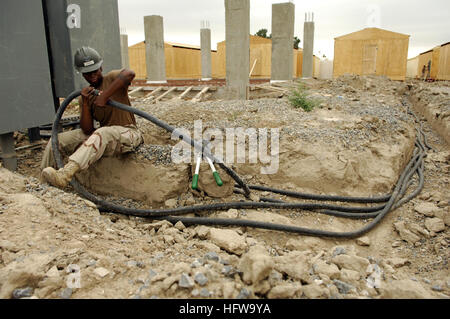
x=343, y=287
x=404, y=289
x=436, y=288
x=244, y=294
x=196, y=263
x=284, y=291
x=397, y=262
x=356, y=263
x=7, y=245
x=212, y=256
x=179, y=225
x=313, y=291
x=100, y=271
x=426, y=208
x=52, y=272
x=255, y=265
x=351, y=276
x=185, y=281
x=228, y=290
x=228, y=240
x=195, y=293
x=321, y=267
x=66, y=293
x=202, y=231
x=363, y=241
x=22, y=292
x=295, y=264
x=201, y=279
x=171, y=203
x=435, y=224
x=406, y=234
x=416, y=229
x=205, y=293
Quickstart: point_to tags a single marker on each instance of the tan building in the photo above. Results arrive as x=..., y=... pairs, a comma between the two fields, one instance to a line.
x=371, y=51
x=184, y=61
x=439, y=57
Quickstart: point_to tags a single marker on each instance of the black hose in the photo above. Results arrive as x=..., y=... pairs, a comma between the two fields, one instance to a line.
x=376, y=212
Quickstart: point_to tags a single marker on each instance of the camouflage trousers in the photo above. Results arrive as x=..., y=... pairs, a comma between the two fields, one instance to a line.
x=87, y=149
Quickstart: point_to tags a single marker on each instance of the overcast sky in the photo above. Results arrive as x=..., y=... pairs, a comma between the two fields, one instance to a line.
x=426, y=21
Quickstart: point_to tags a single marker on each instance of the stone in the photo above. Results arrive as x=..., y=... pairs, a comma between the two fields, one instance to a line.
x=397, y=262
x=255, y=265
x=100, y=271
x=52, y=272
x=204, y=292
x=356, y=263
x=338, y=251
x=202, y=231
x=66, y=293
x=343, y=287
x=22, y=292
x=313, y=291
x=426, y=208
x=228, y=290
x=244, y=294
x=171, y=203
x=212, y=255
x=435, y=225
x=404, y=289
x=185, y=281
x=228, y=240
x=201, y=279
x=321, y=267
x=405, y=233
x=363, y=241
x=416, y=229
x=295, y=264
x=350, y=276
x=284, y=291
x=179, y=225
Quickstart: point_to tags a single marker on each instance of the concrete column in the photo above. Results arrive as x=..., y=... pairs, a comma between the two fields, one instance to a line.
x=8, y=151
x=205, y=40
x=237, y=37
x=283, y=20
x=154, y=49
x=124, y=51
x=308, y=46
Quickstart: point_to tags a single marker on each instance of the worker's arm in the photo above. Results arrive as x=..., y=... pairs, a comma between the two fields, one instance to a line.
x=123, y=80
x=86, y=120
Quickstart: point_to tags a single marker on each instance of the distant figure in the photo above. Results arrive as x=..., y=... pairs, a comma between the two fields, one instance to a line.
x=423, y=72
x=429, y=70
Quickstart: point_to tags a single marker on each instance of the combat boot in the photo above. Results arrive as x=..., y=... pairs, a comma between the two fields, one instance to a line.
x=60, y=178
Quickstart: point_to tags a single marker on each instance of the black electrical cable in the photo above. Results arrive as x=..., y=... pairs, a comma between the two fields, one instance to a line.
x=377, y=212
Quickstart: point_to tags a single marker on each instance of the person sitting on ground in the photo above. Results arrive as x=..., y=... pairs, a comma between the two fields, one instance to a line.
x=117, y=133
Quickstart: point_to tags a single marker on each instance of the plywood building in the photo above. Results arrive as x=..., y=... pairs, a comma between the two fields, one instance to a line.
x=184, y=61
x=412, y=68
x=371, y=51
x=439, y=58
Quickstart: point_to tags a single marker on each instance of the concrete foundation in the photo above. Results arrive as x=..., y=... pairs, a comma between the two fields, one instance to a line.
x=154, y=49
x=124, y=51
x=205, y=40
x=8, y=152
x=283, y=19
x=237, y=37
x=308, y=46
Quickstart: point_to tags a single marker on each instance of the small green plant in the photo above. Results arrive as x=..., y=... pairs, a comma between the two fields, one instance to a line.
x=299, y=98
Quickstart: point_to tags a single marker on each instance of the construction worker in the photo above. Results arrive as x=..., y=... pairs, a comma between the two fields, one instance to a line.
x=117, y=133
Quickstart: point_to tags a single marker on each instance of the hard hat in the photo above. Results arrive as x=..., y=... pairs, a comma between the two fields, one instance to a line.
x=87, y=60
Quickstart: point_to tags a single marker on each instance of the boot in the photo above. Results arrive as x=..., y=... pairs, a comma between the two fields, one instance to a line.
x=60, y=178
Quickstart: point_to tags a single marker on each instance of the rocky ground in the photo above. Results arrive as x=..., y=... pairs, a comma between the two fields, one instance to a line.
x=55, y=244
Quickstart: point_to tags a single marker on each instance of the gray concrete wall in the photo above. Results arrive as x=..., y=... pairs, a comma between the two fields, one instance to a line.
x=154, y=49
x=205, y=40
x=237, y=37
x=283, y=20
x=124, y=51
x=308, y=46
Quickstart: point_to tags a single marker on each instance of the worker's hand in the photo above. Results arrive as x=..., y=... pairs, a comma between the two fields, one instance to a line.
x=100, y=100
x=87, y=91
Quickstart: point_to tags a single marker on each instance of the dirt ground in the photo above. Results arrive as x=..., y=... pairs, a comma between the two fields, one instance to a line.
x=55, y=244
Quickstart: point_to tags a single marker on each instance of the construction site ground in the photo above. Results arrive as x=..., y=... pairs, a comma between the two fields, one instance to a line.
x=55, y=244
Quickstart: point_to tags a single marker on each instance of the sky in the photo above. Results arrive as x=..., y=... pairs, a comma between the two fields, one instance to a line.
x=426, y=21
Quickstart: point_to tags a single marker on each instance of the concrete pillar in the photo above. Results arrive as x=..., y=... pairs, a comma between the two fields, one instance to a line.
x=308, y=46
x=237, y=37
x=154, y=49
x=8, y=154
x=124, y=51
x=283, y=20
x=205, y=40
